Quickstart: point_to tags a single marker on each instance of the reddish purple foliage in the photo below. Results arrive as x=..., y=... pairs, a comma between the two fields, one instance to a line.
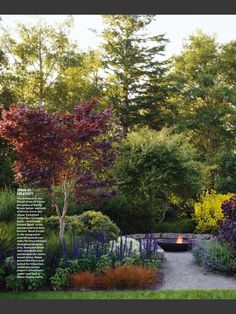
x=51, y=147
x=227, y=227
x=37, y=137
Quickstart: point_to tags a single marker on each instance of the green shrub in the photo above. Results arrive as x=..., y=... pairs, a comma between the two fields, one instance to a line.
x=2, y=275
x=52, y=257
x=34, y=283
x=6, y=157
x=182, y=226
x=91, y=222
x=199, y=251
x=7, y=239
x=220, y=258
x=208, y=211
x=10, y=265
x=153, y=263
x=87, y=263
x=7, y=205
x=95, y=223
x=14, y=283
x=51, y=224
x=216, y=257
x=225, y=179
x=61, y=279
x=122, y=211
x=104, y=262
x=73, y=266
x=155, y=166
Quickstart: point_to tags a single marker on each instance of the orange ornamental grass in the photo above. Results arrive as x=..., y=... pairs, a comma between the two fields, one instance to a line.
x=84, y=280
x=127, y=277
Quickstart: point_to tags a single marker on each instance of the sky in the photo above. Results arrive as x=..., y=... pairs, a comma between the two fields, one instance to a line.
x=176, y=27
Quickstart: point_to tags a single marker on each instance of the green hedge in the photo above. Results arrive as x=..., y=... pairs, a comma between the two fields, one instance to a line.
x=183, y=226
x=90, y=222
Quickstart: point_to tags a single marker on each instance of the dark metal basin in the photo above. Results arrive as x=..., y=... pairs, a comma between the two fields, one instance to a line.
x=170, y=245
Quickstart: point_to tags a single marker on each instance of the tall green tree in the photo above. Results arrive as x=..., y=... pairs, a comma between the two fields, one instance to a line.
x=204, y=97
x=39, y=55
x=135, y=82
x=81, y=82
x=155, y=167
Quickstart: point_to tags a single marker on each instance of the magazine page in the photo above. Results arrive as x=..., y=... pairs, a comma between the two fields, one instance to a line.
x=117, y=157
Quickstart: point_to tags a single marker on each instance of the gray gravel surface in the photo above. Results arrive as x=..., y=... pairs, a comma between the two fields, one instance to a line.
x=180, y=272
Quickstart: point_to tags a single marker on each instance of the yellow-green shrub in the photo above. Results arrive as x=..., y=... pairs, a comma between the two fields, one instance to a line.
x=208, y=211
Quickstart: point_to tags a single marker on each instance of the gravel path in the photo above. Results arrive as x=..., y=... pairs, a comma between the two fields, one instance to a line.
x=180, y=272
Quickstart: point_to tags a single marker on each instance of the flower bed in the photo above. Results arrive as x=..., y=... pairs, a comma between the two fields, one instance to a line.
x=91, y=263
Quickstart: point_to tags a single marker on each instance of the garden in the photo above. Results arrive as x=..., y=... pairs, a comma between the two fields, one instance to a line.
x=138, y=179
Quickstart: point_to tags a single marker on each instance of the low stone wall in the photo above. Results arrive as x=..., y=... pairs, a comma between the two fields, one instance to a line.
x=191, y=236
x=160, y=252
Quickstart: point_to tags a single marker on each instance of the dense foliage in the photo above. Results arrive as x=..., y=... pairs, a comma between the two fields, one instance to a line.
x=204, y=94
x=207, y=212
x=126, y=277
x=215, y=256
x=155, y=166
x=95, y=223
x=136, y=84
x=176, y=166
x=227, y=226
x=225, y=178
x=7, y=240
x=76, y=255
x=90, y=223
x=7, y=205
x=71, y=151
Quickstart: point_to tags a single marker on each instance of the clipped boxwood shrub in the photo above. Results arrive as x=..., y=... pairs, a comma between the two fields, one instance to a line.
x=93, y=223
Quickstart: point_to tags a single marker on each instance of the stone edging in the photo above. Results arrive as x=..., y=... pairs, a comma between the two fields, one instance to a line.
x=191, y=236
x=160, y=252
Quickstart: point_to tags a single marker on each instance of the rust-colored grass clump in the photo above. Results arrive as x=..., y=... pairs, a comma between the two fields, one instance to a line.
x=84, y=280
x=126, y=277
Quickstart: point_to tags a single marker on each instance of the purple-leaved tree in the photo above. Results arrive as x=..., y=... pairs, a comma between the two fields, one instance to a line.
x=69, y=153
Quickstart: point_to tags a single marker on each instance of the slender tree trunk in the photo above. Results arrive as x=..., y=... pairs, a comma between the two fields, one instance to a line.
x=40, y=71
x=64, y=212
x=163, y=215
x=166, y=208
x=125, y=117
x=62, y=227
